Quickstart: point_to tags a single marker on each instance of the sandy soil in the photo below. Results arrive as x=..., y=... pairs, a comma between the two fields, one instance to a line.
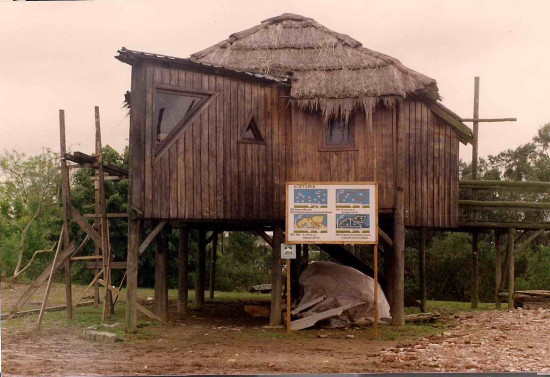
x=223, y=339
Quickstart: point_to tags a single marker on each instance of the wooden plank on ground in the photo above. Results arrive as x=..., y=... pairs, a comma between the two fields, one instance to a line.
x=56, y=308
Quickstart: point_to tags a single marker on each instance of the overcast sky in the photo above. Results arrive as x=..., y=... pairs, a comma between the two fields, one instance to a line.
x=61, y=55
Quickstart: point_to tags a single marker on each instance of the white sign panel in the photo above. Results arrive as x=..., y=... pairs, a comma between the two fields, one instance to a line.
x=288, y=251
x=343, y=213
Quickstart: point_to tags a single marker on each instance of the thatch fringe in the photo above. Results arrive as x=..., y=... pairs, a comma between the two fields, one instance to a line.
x=332, y=72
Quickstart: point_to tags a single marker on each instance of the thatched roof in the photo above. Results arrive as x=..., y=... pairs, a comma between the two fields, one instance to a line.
x=331, y=72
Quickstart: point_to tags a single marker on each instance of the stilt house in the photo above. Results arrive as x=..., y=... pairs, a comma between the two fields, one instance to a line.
x=214, y=137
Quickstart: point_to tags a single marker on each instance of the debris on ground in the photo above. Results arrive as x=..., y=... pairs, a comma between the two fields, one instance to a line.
x=260, y=288
x=337, y=296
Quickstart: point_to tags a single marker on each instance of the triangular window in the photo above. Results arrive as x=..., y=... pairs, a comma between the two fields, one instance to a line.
x=251, y=133
x=173, y=109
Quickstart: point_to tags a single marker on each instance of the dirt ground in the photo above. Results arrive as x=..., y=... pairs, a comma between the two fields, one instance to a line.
x=222, y=338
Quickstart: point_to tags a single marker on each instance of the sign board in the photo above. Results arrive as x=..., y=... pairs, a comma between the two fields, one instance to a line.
x=288, y=251
x=335, y=212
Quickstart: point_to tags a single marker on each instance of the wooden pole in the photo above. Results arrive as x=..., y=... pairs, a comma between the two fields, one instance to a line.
x=183, y=272
x=288, y=295
x=108, y=299
x=295, y=273
x=475, y=271
x=511, y=274
x=132, y=259
x=498, y=267
x=422, y=269
x=66, y=191
x=213, y=261
x=161, y=276
x=201, y=270
x=276, y=278
x=305, y=257
x=475, y=235
x=49, y=286
x=376, y=313
x=97, y=226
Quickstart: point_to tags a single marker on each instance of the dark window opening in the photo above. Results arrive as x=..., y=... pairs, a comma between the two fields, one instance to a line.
x=338, y=133
x=172, y=108
x=252, y=133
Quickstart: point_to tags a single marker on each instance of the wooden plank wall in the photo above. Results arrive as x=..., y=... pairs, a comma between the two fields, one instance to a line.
x=208, y=175
x=431, y=186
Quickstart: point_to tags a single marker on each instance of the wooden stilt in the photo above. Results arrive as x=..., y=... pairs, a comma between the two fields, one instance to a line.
x=422, y=269
x=132, y=259
x=105, y=250
x=97, y=226
x=276, y=278
x=376, y=313
x=474, y=296
x=183, y=272
x=213, y=261
x=498, y=267
x=201, y=270
x=161, y=276
x=511, y=266
x=66, y=192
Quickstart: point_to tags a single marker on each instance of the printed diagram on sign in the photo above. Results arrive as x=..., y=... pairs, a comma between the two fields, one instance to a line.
x=310, y=198
x=352, y=223
x=310, y=223
x=352, y=198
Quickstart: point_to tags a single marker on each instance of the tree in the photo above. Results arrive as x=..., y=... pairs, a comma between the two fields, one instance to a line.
x=29, y=188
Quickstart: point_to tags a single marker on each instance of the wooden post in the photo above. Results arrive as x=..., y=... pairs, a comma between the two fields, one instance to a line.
x=422, y=269
x=288, y=294
x=511, y=274
x=105, y=249
x=475, y=235
x=183, y=272
x=498, y=267
x=161, y=276
x=305, y=257
x=376, y=314
x=295, y=273
x=475, y=271
x=213, y=261
x=97, y=226
x=201, y=270
x=398, y=282
x=276, y=278
x=66, y=192
x=132, y=259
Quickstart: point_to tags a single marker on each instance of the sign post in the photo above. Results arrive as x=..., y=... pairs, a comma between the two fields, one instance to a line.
x=288, y=252
x=333, y=213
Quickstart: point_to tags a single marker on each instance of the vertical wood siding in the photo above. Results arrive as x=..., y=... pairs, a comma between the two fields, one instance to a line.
x=208, y=175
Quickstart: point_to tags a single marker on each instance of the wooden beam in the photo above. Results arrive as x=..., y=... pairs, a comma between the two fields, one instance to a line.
x=94, y=281
x=498, y=267
x=87, y=257
x=265, y=237
x=115, y=265
x=183, y=272
x=77, y=217
x=503, y=225
x=511, y=267
x=465, y=133
x=507, y=204
x=156, y=230
x=276, y=278
x=479, y=120
x=132, y=260
x=474, y=273
x=201, y=270
x=161, y=276
x=66, y=198
x=518, y=186
x=213, y=262
x=385, y=237
x=210, y=238
x=422, y=268
x=109, y=215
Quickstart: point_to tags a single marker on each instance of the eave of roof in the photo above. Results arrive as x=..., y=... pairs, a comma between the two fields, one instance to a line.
x=465, y=133
x=133, y=57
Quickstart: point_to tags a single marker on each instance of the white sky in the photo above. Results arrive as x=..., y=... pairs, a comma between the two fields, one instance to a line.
x=61, y=55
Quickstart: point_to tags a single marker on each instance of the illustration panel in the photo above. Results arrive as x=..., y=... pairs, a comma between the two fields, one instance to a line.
x=352, y=198
x=310, y=221
x=308, y=198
